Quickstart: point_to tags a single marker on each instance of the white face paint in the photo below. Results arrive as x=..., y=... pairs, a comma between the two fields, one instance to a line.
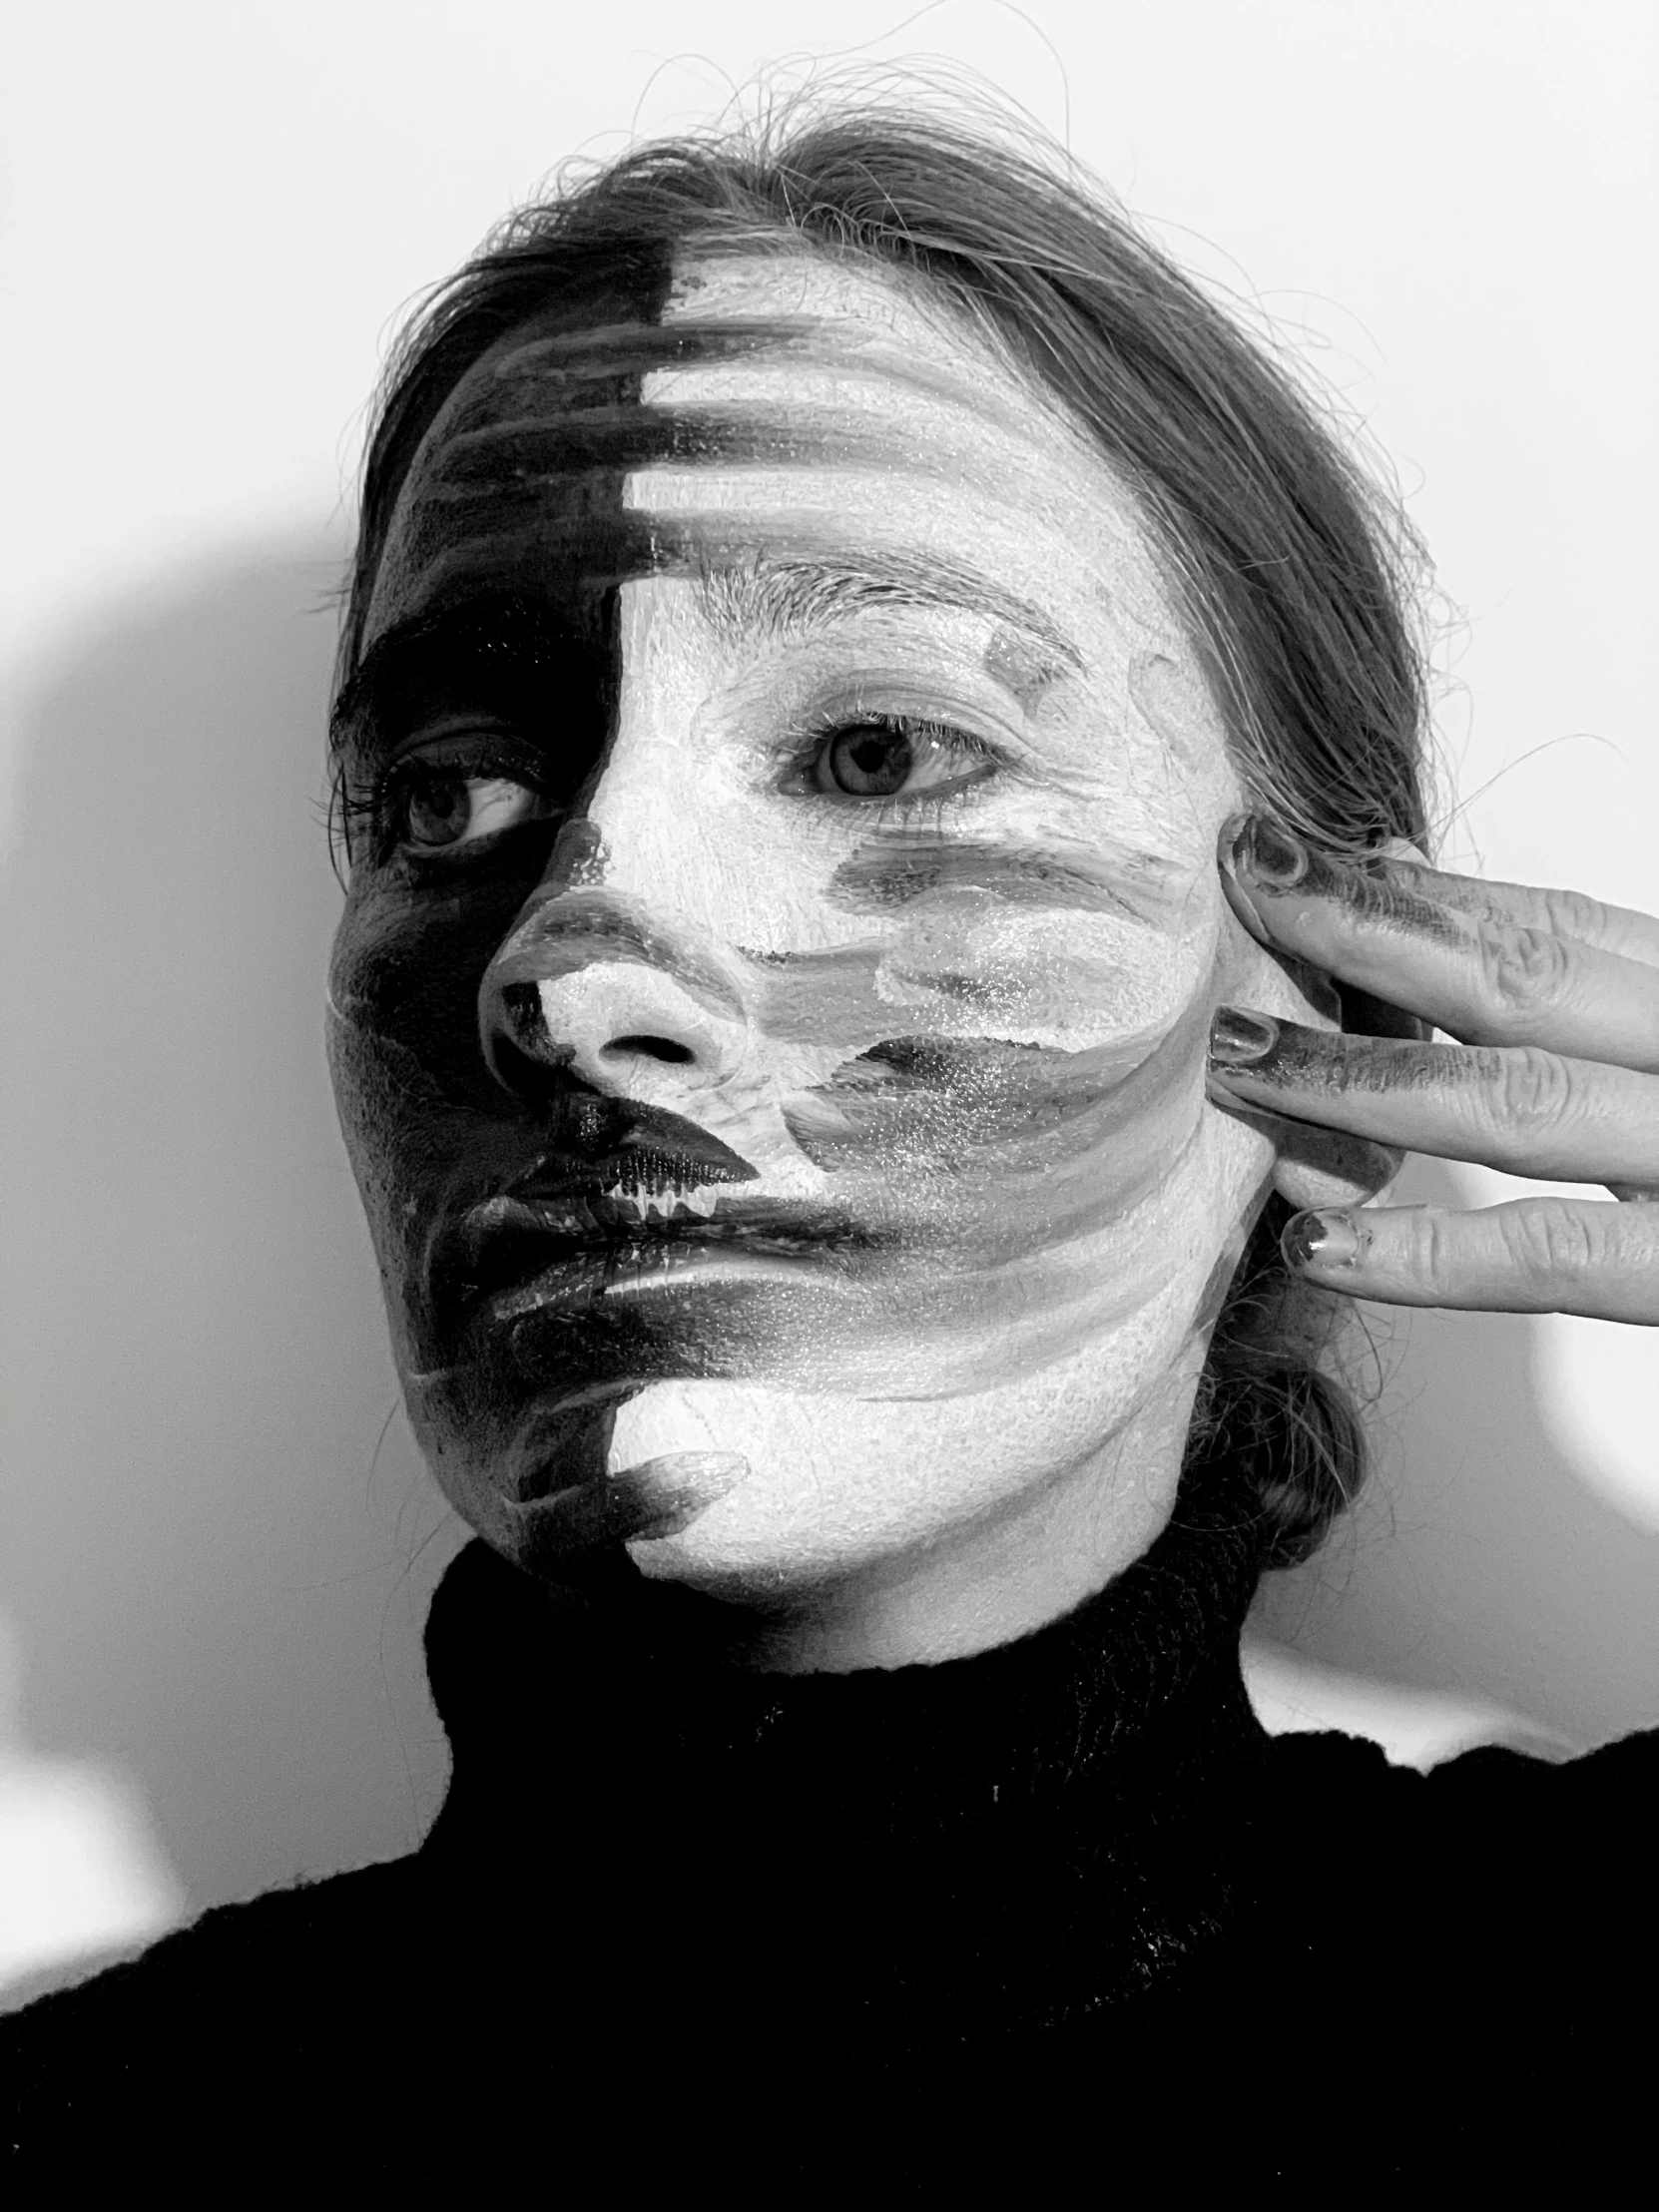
x=961, y=1004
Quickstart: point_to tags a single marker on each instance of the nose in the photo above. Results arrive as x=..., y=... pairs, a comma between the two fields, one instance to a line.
x=587, y=988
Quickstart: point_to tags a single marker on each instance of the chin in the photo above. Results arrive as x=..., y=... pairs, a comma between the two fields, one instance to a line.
x=847, y=1487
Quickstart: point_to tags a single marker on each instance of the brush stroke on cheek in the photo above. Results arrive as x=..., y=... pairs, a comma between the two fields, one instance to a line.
x=1032, y=1006
x=898, y=866
x=989, y=1151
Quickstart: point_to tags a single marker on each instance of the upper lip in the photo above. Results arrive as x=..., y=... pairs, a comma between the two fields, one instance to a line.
x=667, y=1184
x=644, y=1167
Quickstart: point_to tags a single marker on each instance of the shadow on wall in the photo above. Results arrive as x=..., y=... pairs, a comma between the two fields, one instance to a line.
x=1483, y=1558
x=214, y=1563
x=215, y=1566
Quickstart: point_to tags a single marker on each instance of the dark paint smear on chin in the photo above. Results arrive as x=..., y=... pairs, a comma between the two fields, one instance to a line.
x=533, y=1403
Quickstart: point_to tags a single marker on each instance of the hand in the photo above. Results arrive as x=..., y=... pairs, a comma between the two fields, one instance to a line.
x=1555, y=1001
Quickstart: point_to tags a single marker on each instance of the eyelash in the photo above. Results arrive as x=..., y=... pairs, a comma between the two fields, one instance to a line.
x=371, y=807
x=807, y=746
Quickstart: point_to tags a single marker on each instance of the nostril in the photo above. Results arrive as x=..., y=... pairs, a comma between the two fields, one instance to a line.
x=650, y=1048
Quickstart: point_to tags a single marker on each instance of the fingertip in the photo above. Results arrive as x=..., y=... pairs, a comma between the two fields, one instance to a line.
x=1402, y=849
x=1235, y=891
x=1323, y=1237
x=1228, y=838
x=1239, y=1037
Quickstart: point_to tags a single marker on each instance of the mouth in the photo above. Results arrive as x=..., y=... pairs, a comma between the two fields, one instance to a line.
x=570, y=1232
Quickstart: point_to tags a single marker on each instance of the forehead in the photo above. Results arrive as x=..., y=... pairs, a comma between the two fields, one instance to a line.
x=774, y=403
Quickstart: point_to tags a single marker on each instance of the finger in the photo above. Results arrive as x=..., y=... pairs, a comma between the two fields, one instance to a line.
x=1621, y=930
x=1524, y=1111
x=1486, y=979
x=1566, y=913
x=1529, y=1256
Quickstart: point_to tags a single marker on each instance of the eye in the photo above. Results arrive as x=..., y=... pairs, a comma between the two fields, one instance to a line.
x=436, y=806
x=892, y=756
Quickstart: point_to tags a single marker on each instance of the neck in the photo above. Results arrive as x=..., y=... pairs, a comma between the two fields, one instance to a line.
x=1000, y=1577
x=1071, y=1798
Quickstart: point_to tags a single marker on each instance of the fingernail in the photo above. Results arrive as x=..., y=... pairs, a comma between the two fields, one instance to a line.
x=1269, y=854
x=1237, y=1038
x=1320, y=1239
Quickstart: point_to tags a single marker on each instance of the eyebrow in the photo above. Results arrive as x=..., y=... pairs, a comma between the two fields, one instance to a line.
x=498, y=624
x=788, y=596
x=489, y=646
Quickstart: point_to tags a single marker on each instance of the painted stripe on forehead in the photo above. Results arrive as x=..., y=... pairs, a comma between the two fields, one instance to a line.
x=537, y=461
x=557, y=405
x=572, y=361
x=483, y=478
x=533, y=455
x=600, y=351
x=628, y=295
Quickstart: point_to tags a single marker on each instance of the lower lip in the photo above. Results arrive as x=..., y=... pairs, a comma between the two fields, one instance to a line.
x=670, y=1267
x=700, y=1268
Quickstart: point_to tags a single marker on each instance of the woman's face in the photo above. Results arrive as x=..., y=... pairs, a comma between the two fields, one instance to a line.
x=772, y=1000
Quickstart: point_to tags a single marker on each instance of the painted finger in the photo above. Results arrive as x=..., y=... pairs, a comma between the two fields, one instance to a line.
x=1524, y=1111
x=1529, y=1256
x=1565, y=913
x=1484, y=978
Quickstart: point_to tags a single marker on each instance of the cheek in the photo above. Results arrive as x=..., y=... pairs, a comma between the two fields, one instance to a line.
x=1066, y=980
x=979, y=1022
x=1253, y=978
x=402, y=996
x=411, y=1085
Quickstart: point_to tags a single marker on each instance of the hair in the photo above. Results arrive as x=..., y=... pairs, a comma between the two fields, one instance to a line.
x=1291, y=568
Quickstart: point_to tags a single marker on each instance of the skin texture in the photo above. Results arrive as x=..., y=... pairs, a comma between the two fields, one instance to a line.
x=1553, y=1000
x=658, y=586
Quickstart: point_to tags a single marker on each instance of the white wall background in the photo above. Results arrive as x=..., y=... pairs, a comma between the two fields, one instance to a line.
x=217, y=1541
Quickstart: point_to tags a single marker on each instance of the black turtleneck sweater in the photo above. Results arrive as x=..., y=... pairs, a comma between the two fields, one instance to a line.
x=1057, y=1915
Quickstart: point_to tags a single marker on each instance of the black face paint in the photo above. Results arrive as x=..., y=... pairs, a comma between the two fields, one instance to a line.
x=506, y=662
x=431, y=1130
x=528, y=459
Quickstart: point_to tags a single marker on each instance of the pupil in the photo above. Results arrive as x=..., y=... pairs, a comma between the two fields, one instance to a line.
x=438, y=809
x=870, y=762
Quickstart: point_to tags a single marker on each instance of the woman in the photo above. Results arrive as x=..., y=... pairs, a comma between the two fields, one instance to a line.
x=864, y=1201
